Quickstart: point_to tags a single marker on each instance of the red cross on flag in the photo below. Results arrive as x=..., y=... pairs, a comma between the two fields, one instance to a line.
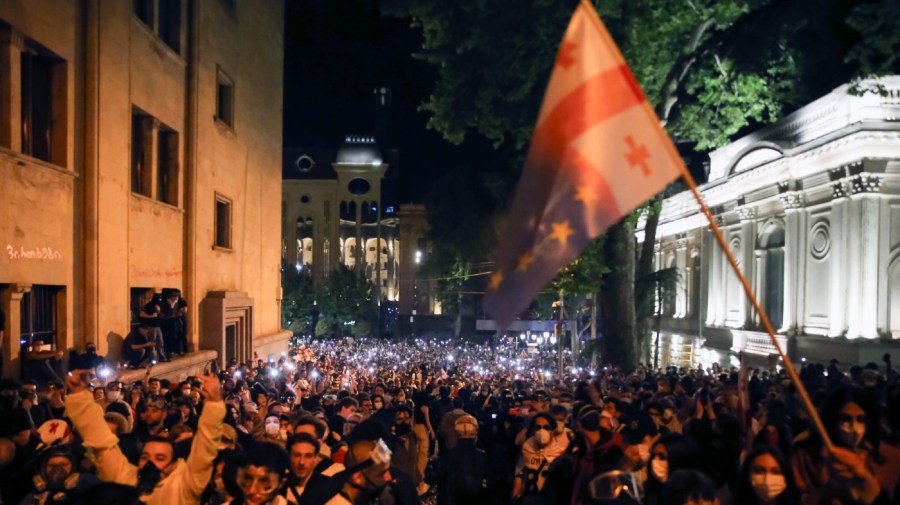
x=597, y=153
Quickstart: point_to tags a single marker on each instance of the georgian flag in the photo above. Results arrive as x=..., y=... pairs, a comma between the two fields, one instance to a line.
x=597, y=153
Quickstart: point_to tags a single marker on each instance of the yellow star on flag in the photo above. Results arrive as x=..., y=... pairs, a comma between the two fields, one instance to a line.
x=585, y=194
x=525, y=261
x=561, y=232
x=496, y=280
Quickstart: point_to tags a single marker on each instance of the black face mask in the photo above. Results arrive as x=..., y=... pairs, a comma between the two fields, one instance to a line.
x=56, y=477
x=402, y=428
x=148, y=477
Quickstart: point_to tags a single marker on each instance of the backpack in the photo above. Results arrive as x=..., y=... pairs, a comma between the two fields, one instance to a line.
x=470, y=472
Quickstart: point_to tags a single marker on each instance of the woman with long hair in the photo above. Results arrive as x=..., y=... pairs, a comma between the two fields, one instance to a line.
x=766, y=478
x=862, y=467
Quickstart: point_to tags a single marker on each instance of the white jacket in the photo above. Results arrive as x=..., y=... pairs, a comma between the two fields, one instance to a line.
x=186, y=482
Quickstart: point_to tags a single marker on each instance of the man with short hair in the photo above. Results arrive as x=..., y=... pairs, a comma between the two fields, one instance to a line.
x=303, y=450
x=160, y=476
x=318, y=429
x=342, y=411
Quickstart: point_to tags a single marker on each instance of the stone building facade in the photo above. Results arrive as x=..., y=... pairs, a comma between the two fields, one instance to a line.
x=340, y=208
x=810, y=207
x=140, y=149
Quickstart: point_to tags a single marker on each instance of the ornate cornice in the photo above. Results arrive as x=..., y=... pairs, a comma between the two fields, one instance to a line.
x=838, y=190
x=865, y=183
x=793, y=200
x=746, y=213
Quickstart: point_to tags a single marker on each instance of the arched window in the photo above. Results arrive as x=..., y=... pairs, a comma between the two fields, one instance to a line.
x=771, y=255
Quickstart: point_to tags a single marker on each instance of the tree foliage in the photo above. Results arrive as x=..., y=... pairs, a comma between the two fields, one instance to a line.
x=298, y=308
x=347, y=303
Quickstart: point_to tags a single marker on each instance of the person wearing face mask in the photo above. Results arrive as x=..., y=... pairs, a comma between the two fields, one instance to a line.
x=539, y=451
x=465, y=471
x=639, y=432
x=160, y=476
x=369, y=476
x=272, y=433
x=671, y=452
x=766, y=479
x=58, y=480
x=861, y=467
x=404, y=445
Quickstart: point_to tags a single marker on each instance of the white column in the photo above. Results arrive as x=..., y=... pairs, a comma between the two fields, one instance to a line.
x=759, y=282
x=709, y=265
x=840, y=269
x=864, y=240
x=681, y=289
x=794, y=259
x=748, y=247
x=724, y=271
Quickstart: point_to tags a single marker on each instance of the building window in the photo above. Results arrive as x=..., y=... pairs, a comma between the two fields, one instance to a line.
x=154, y=159
x=162, y=17
x=39, y=316
x=223, y=222
x=169, y=29
x=224, y=99
x=167, y=166
x=43, y=110
x=141, y=153
x=143, y=9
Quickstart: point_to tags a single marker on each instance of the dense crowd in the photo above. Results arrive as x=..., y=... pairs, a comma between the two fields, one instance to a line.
x=365, y=421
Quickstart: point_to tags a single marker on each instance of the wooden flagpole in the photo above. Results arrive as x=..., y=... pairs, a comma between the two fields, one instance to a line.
x=813, y=413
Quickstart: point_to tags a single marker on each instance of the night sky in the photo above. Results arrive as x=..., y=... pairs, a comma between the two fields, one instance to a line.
x=336, y=54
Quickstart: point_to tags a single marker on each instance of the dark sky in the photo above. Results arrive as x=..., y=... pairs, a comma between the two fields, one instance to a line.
x=336, y=53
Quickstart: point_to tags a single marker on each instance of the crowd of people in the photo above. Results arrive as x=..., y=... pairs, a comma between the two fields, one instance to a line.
x=366, y=421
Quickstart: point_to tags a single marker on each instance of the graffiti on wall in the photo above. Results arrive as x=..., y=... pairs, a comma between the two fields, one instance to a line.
x=38, y=253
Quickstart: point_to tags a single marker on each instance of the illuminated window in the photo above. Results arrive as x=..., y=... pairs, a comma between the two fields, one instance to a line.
x=224, y=99
x=223, y=222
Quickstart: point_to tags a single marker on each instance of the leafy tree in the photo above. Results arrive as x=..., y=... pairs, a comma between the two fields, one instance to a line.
x=298, y=307
x=346, y=299
x=712, y=69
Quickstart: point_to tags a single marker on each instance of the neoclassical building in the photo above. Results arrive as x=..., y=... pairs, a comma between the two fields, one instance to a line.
x=340, y=208
x=140, y=149
x=810, y=207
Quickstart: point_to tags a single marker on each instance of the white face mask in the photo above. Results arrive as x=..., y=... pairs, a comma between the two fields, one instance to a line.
x=273, y=429
x=112, y=396
x=542, y=437
x=852, y=433
x=768, y=486
x=660, y=469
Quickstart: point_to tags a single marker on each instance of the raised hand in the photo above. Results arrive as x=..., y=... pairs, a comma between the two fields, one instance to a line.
x=212, y=389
